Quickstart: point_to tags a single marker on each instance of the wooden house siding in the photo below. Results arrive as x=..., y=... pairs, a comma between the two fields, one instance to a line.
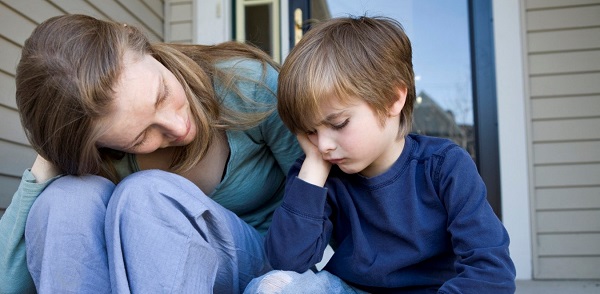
x=179, y=23
x=563, y=56
x=17, y=20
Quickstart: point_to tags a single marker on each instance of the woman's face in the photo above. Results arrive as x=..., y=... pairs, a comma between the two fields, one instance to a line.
x=150, y=109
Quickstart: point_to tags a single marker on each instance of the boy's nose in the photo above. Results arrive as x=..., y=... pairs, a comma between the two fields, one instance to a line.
x=326, y=144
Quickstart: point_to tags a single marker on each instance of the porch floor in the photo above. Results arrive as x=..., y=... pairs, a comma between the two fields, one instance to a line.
x=557, y=287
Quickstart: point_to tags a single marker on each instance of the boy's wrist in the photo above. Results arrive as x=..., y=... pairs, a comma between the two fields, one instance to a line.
x=314, y=171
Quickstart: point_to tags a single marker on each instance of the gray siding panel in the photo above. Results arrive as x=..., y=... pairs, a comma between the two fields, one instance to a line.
x=547, y=4
x=568, y=267
x=570, y=152
x=179, y=21
x=567, y=18
x=563, y=63
x=11, y=54
x=566, y=130
x=37, y=11
x=571, y=244
x=569, y=175
x=569, y=221
x=564, y=85
x=568, y=198
x=9, y=185
x=13, y=26
x=181, y=12
x=565, y=107
x=10, y=126
x=573, y=39
x=157, y=6
x=181, y=32
x=16, y=158
x=7, y=94
x=83, y=7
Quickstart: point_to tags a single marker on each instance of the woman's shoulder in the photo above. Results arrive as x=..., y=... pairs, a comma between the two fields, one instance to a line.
x=252, y=79
x=248, y=68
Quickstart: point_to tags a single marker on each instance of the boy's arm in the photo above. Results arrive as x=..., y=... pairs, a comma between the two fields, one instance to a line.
x=14, y=276
x=300, y=229
x=478, y=237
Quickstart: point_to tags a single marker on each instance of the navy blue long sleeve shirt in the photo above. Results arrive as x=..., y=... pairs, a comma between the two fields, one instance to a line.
x=422, y=226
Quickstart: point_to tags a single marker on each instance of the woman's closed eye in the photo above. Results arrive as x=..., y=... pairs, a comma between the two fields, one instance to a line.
x=142, y=139
x=163, y=96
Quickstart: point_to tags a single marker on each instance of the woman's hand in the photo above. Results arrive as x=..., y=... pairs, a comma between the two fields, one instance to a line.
x=314, y=169
x=43, y=169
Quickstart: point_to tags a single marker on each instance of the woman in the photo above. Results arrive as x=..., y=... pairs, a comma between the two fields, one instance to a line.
x=100, y=103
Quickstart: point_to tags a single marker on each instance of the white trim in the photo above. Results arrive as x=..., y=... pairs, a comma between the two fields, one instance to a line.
x=285, y=33
x=513, y=131
x=211, y=22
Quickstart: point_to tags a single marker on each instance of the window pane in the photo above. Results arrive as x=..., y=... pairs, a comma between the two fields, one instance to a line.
x=258, y=26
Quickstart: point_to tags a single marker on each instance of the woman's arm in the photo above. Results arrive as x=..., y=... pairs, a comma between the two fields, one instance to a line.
x=14, y=276
x=281, y=141
x=43, y=170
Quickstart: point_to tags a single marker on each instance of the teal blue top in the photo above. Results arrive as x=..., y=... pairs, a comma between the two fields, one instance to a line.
x=252, y=186
x=14, y=277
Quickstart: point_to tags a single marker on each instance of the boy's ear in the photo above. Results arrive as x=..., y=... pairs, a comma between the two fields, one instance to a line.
x=399, y=102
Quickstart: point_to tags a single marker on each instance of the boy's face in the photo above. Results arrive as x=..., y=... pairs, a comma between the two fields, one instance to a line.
x=352, y=136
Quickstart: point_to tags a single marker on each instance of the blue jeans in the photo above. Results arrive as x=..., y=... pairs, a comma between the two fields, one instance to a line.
x=155, y=232
x=309, y=282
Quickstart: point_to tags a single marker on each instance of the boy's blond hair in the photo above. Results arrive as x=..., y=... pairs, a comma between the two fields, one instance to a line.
x=367, y=58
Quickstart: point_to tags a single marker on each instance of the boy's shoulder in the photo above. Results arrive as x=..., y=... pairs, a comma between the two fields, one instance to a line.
x=427, y=146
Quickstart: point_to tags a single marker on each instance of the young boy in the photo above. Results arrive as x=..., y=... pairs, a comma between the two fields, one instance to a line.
x=404, y=213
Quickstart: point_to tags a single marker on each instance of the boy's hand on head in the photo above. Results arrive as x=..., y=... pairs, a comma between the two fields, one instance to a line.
x=308, y=147
x=314, y=169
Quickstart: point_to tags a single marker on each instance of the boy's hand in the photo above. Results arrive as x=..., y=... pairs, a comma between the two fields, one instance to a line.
x=43, y=170
x=314, y=169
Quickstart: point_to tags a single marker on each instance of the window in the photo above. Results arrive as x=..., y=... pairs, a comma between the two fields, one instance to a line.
x=454, y=72
x=257, y=22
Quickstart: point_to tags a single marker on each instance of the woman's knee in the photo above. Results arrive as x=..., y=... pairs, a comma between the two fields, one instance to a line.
x=154, y=179
x=75, y=199
x=157, y=192
x=64, y=232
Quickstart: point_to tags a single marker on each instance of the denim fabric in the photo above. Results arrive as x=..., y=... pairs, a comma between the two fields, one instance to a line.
x=64, y=236
x=155, y=232
x=290, y=282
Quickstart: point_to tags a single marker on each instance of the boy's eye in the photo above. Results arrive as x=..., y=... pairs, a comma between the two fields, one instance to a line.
x=341, y=125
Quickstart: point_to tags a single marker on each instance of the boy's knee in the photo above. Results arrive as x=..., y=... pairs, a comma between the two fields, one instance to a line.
x=276, y=281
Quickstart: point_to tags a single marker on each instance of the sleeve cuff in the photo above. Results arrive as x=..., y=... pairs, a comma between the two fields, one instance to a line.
x=305, y=198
